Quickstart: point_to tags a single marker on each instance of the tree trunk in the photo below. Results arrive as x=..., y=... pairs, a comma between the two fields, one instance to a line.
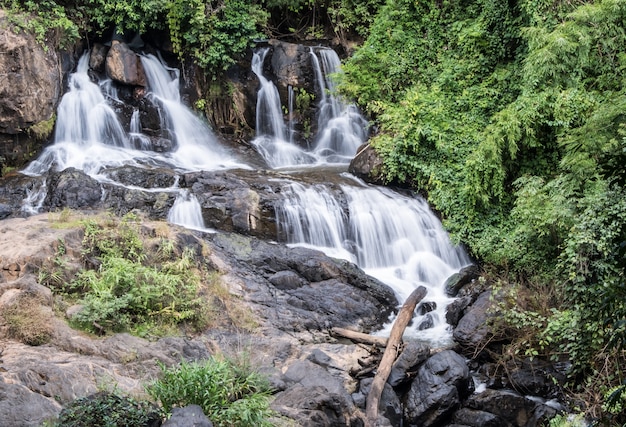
x=390, y=354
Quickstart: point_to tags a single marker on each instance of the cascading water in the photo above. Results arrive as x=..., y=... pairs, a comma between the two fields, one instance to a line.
x=187, y=212
x=342, y=128
x=394, y=238
x=90, y=137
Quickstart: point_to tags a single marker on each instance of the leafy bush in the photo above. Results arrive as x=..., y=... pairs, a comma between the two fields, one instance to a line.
x=229, y=393
x=123, y=293
x=46, y=19
x=215, y=35
x=105, y=409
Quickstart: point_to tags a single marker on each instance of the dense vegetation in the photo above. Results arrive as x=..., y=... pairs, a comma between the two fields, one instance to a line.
x=509, y=115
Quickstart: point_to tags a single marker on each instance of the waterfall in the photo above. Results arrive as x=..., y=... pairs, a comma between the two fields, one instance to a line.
x=35, y=197
x=341, y=127
x=270, y=126
x=187, y=212
x=90, y=137
x=393, y=237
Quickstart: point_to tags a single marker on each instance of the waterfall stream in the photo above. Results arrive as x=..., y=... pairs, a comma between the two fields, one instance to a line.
x=392, y=236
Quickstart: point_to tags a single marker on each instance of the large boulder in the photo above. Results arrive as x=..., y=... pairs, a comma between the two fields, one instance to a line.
x=30, y=89
x=442, y=382
x=473, y=328
x=302, y=289
x=511, y=408
x=124, y=66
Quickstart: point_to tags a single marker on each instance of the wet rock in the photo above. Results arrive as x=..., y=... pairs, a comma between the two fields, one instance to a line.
x=124, y=66
x=512, y=408
x=405, y=366
x=437, y=390
x=291, y=64
x=367, y=164
x=144, y=178
x=97, y=57
x=455, y=282
x=426, y=307
x=188, y=416
x=73, y=189
x=472, y=329
x=456, y=309
x=474, y=418
x=426, y=323
x=389, y=405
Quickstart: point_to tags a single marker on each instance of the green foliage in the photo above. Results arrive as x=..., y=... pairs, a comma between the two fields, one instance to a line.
x=126, y=15
x=511, y=117
x=230, y=393
x=108, y=410
x=215, y=35
x=124, y=294
x=48, y=21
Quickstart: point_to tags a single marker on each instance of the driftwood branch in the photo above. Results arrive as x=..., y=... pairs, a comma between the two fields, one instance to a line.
x=389, y=356
x=359, y=337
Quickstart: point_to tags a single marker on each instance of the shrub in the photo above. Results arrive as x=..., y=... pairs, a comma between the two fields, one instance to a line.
x=106, y=409
x=230, y=393
x=28, y=320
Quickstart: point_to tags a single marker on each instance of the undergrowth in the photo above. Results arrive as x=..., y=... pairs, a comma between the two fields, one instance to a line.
x=230, y=393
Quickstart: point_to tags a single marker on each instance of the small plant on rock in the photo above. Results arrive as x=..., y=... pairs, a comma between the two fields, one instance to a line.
x=230, y=393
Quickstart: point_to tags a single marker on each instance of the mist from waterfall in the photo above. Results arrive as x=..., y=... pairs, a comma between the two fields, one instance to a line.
x=342, y=129
x=392, y=237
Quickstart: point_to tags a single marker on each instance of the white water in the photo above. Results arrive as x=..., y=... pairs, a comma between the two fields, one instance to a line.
x=394, y=238
x=342, y=128
x=90, y=137
x=187, y=212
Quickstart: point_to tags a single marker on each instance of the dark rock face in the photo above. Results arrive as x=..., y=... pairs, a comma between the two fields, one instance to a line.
x=313, y=291
x=367, y=164
x=30, y=89
x=511, y=408
x=406, y=364
x=313, y=397
x=73, y=189
x=440, y=385
x=460, y=279
x=472, y=329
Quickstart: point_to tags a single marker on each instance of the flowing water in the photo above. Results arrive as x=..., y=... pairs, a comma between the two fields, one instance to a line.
x=342, y=129
x=392, y=236
x=90, y=137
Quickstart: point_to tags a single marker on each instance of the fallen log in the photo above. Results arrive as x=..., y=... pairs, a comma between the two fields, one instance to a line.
x=389, y=356
x=359, y=337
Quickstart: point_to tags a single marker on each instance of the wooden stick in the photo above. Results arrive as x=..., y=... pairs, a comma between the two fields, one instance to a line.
x=389, y=356
x=359, y=336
